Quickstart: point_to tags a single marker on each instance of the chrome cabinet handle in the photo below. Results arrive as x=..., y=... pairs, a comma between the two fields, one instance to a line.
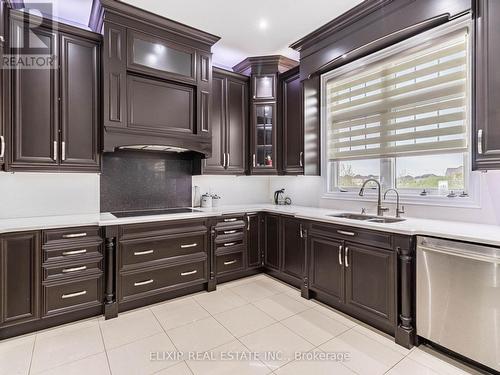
x=301, y=231
x=346, y=257
x=74, y=252
x=230, y=220
x=145, y=282
x=340, y=254
x=230, y=262
x=254, y=161
x=301, y=158
x=74, y=269
x=228, y=162
x=480, y=141
x=189, y=273
x=63, y=150
x=248, y=223
x=224, y=162
x=72, y=295
x=55, y=151
x=229, y=231
x=74, y=235
x=145, y=252
x=229, y=244
x=189, y=245
x=345, y=233
x=2, y=146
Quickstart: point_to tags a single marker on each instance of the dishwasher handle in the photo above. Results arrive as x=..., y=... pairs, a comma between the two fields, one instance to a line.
x=460, y=254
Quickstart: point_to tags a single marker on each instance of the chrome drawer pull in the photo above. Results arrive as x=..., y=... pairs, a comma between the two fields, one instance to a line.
x=230, y=220
x=480, y=141
x=189, y=245
x=2, y=146
x=229, y=231
x=74, y=235
x=74, y=252
x=230, y=262
x=345, y=233
x=189, y=273
x=71, y=295
x=229, y=244
x=74, y=269
x=144, y=252
x=146, y=282
x=340, y=254
x=346, y=257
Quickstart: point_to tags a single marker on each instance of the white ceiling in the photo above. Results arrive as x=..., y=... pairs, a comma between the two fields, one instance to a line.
x=259, y=27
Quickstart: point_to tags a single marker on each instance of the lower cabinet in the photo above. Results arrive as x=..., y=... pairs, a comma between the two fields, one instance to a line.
x=20, y=278
x=254, y=253
x=271, y=226
x=355, y=277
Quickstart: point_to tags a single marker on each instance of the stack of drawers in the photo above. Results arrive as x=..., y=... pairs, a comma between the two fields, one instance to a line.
x=230, y=245
x=72, y=265
x=155, y=258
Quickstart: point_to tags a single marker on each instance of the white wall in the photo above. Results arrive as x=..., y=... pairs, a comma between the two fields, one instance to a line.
x=45, y=194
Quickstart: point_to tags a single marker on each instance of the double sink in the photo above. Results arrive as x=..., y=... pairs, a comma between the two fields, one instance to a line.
x=368, y=218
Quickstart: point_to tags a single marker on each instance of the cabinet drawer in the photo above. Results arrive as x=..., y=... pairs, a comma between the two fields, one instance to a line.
x=162, y=228
x=150, y=281
x=364, y=236
x=228, y=245
x=74, y=252
x=67, y=235
x=135, y=252
x=231, y=221
x=72, y=270
x=73, y=295
x=230, y=232
x=229, y=262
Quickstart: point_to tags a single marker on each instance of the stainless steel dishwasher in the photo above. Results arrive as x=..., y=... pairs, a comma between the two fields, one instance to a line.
x=458, y=298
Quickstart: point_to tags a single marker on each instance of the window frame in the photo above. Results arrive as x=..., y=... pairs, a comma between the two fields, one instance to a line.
x=410, y=196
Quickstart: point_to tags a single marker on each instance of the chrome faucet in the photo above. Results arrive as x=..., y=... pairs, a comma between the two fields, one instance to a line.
x=380, y=209
x=398, y=210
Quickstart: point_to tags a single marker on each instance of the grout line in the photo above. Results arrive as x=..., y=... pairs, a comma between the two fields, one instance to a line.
x=32, y=353
x=105, y=350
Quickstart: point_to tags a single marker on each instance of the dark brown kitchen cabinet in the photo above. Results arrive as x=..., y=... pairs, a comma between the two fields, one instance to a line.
x=370, y=282
x=271, y=228
x=20, y=279
x=3, y=83
x=55, y=113
x=293, y=248
x=264, y=87
x=263, y=138
x=229, y=123
x=254, y=255
x=291, y=143
x=486, y=87
x=326, y=271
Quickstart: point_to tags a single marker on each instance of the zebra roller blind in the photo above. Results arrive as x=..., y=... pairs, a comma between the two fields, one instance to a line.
x=409, y=102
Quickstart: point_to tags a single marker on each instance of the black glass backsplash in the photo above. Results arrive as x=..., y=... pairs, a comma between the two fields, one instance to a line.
x=144, y=180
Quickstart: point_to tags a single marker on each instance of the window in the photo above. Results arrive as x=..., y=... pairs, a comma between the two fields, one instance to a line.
x=401, y=116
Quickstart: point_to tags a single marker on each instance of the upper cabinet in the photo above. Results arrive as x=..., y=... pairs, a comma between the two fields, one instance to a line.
x=54, y=112
x=486, y=113
x=292, y=123
x=229, y=123
x=3, y=91
x=157, y=77
x=264, y=130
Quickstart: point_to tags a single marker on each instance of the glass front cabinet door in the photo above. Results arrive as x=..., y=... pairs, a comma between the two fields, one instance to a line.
x=264, y=138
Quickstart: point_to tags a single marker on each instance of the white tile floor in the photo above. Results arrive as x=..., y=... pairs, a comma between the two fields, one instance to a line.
x=256, y=314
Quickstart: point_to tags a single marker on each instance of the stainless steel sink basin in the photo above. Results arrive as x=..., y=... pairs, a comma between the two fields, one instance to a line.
x=368, y=218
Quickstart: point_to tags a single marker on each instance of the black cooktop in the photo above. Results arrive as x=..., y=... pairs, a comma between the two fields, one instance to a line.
x=164, y=211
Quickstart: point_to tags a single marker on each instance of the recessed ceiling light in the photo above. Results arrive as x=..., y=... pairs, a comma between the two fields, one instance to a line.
x=263, y=24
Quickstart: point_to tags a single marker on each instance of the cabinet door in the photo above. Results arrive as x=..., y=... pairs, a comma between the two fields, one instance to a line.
x=370, y=283
x=292, y=146
x=80, y=103
x=264, y=138
x=237, y=114
x=20, y=283
x=486, y=124
x=217, y=162
x=326, y=270
x=272, y=241
x=253, y=241
x=293, y=249
x=35, y=138
x=264, y=87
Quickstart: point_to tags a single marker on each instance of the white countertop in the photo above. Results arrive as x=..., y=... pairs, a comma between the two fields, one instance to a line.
x=480, y=233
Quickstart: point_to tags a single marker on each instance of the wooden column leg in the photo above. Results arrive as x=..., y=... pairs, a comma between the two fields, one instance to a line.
x=110, y=305
x=405, y=332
